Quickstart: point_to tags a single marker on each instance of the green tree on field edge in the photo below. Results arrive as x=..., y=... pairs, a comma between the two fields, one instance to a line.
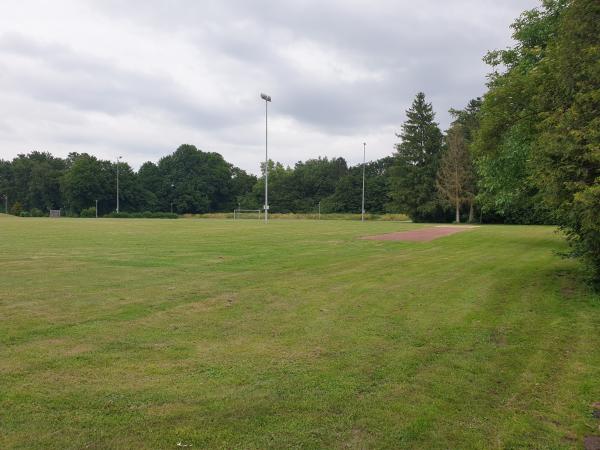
x=417, y=158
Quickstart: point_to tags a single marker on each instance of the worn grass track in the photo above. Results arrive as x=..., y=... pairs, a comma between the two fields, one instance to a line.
x=146, y=333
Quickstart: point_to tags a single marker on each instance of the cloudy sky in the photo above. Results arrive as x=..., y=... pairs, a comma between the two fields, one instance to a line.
x=140, y=77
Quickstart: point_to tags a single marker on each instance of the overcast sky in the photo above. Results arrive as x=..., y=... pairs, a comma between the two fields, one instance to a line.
x=138, y=78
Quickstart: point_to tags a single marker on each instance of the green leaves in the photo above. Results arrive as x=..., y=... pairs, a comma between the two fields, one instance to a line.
x=568, y=145
x=538, y=146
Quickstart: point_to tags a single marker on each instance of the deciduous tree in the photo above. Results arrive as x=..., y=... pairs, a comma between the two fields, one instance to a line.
x=455, y=175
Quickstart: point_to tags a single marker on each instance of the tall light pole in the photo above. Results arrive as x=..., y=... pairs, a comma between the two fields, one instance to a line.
x=118, y=161
x=6, y=203
x=362, y=214
x=267, y=99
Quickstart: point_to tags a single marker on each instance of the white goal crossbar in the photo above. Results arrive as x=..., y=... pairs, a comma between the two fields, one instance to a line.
x=248, y=213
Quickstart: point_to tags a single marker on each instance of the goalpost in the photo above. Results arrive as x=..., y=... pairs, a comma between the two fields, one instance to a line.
x=246, y=214
x=54, y=213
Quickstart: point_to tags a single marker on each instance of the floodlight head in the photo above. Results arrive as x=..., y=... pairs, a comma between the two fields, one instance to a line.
x=265, y=97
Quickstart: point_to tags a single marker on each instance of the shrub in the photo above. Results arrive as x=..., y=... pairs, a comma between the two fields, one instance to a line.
x=144, y=215
x=118, y=215
x=35, y=212
x=16, y=209
x=25, y=214
x=163, y=215
x=88, y=212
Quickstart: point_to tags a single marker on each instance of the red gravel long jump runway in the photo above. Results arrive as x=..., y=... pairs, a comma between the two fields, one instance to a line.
x=421, y=235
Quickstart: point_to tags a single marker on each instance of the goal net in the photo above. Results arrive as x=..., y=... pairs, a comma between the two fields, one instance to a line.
x=55, y=213
x=246, y=214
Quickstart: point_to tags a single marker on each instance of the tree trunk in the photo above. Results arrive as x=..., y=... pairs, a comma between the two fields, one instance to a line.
x=471, y=213
x=457, y=211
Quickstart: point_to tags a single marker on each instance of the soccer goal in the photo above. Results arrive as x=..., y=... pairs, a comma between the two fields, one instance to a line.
x=246, y=214
x=55, y=213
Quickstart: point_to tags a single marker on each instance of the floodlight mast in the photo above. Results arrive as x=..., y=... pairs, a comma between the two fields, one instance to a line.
x=267, y=99
x=362, y=214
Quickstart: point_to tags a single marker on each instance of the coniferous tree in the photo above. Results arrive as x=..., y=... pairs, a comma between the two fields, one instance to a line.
x=468, y=118
x=413, y=177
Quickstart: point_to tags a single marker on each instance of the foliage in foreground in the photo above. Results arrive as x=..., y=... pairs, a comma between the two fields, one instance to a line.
x=568, y=146
x=538, y=145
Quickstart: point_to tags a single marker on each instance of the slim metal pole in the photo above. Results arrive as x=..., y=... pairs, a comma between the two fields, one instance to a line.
x=362, y=215
x=118, y=184
x=266, y=163
x=96, y=209
x=6, y=203
x=171, y=195
x=319, y=210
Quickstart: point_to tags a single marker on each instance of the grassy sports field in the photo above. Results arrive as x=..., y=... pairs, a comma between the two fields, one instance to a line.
x=214, y=333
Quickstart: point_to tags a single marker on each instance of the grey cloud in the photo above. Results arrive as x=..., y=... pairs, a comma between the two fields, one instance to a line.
x=397, y=48
x=92, y=84
x=439, y=55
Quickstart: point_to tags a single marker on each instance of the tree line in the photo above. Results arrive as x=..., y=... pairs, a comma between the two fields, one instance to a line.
x=187, y=181
x=527, y=151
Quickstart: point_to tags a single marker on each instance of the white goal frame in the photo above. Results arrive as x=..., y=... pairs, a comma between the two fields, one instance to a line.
x=236, y=213
x=55, y=213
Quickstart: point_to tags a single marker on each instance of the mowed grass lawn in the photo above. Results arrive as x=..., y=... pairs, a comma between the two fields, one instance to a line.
x=149, y=334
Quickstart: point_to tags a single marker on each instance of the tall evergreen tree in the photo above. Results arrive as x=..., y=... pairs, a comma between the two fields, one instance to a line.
x=468, y=118
x=413, y=180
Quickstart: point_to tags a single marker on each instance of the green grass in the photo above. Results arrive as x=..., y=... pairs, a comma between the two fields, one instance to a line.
x=145, y=333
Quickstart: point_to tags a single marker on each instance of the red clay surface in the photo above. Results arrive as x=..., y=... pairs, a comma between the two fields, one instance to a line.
x=421, y=235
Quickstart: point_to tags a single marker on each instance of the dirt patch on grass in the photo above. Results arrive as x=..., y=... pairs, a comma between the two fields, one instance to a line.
x=591, y=443
x=423, y=234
